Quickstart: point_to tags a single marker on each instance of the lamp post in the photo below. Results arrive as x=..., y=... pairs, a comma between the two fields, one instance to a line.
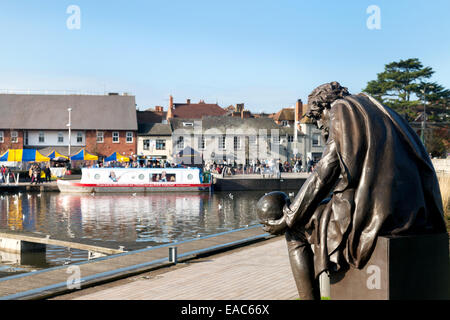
x=70, y=132
x=424, y=116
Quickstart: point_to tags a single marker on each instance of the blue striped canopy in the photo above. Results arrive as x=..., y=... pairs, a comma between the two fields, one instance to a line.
x=83, y=155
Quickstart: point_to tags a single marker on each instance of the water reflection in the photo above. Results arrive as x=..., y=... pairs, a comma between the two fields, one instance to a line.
x=114, y=220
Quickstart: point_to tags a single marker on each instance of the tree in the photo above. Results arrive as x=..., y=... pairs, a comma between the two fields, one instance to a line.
x=437, y=100
x=402, y=87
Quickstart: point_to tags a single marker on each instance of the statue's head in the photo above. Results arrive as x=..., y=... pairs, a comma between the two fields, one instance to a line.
x=270, y=206
x=320, y=100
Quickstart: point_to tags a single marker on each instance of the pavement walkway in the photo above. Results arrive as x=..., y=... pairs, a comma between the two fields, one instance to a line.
x=257, y=272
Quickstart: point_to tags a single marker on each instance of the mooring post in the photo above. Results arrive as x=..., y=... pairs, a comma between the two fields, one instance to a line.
x=173, y=255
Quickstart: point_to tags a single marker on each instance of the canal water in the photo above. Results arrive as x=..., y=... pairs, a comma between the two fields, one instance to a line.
x=119, y=220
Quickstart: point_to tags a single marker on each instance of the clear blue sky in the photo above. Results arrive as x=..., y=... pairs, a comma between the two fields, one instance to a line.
x=266, y=54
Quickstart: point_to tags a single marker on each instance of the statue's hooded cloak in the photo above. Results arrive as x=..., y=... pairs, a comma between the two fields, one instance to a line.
x=384, y=184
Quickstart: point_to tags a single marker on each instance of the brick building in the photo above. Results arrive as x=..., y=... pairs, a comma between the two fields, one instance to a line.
x=190, y=110
x=101, y=124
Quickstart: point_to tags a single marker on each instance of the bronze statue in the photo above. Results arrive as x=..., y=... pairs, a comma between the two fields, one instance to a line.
x=382, y=183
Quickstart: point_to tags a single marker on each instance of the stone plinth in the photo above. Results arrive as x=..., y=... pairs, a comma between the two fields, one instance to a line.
x=406, y=267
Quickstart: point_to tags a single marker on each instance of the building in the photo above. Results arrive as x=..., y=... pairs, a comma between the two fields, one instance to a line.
x=285, y=117
x=190, y=110
x=155, y=141
x=238, y=111
x=101, y=124
x=151, y=115
x=304, y=136
x=285, y=135
x=219, y=138
x=312, y=145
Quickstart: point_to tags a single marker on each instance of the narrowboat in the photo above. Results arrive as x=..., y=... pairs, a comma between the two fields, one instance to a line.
x=133, y=180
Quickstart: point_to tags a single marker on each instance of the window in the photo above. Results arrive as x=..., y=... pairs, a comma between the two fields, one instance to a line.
x=41, y=137
x=316, y=140
x=290, y=138
x=100, y=138
x=222, y=142
x=160, y=144
x=129, y=137
x=147, y=144
x=14, y=136
x=60, y=137
x=285, y=123
x=26, y=138
x=115, y=137
x=180, y=143
x=188, y=124
x=237, y=143
x=2, y=137
x=80, y=137
x=252, y=140
x=201, y=143
x=276, y=139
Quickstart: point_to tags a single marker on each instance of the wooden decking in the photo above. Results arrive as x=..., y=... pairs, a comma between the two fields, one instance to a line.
x=47, y=241
x=258, y=272
x=44, y=283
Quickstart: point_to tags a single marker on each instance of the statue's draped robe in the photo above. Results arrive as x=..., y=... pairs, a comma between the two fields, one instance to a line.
x=384, y=184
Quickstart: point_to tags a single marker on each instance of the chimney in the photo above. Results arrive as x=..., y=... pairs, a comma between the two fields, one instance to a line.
x=298, y=111
x=170, y=109
x=188, y=101
x=159, y=109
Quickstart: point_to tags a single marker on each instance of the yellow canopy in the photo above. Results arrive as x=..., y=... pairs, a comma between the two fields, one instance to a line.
x=23, y=155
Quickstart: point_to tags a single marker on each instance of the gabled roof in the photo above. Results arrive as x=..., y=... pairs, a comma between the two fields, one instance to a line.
x=196, y=110
x=49, y=112
x=154, y=129
x=150, y=116
x=287, y=114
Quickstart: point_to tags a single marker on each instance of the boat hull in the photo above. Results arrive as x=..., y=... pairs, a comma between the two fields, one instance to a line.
x=70, y=186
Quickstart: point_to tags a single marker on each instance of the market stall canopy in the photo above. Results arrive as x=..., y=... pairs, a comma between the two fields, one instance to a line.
x=117, y=157
x=23, y=155
x=83, y=155
x=56, y=156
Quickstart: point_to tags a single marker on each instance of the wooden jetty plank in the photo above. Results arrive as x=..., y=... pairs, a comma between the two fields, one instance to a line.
x=60, y=243
x=104, y=266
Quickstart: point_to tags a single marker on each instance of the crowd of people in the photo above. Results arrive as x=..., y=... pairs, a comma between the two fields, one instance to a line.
x=40, y=173
x=160, y=163
x=267, y=167
x=35, y=173
x=5, y=174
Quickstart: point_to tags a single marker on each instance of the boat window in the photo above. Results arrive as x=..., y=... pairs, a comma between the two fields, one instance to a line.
x=162, y=177
x=190, y=176
x=141, y=176
x=97, y=177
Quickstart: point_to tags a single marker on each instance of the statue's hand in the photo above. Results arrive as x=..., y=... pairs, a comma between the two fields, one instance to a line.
x=275, y=227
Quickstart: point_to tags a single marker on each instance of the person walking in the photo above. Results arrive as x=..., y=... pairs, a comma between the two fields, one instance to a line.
x=7, y=174
x=48, y=173
x=2, y=174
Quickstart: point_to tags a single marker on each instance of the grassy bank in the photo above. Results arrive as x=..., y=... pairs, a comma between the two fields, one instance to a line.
x=444, y=183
